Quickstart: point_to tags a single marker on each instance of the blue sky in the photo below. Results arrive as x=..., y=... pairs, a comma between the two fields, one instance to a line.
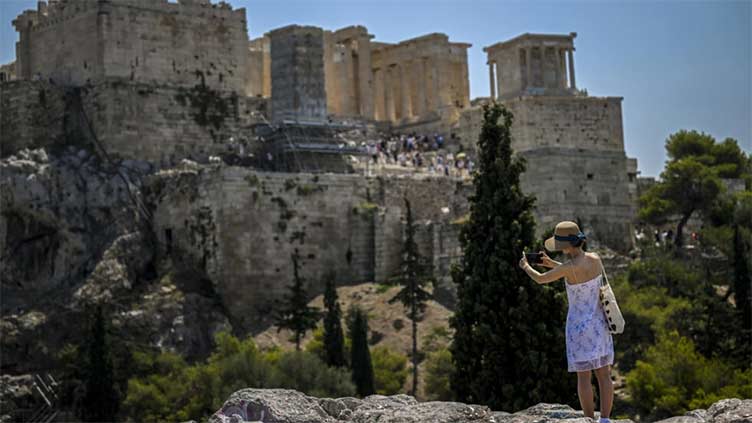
x=678, y=64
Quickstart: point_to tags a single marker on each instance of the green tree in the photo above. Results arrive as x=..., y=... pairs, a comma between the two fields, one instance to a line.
x=439, y=368
x=508, y=348
x=389, y=370
x=360, y=361
x=295, y=313
x=691, y=180
x=674, y=378
x=334, y=340
x=169, y=389
x=414, y=275
x=101, y=400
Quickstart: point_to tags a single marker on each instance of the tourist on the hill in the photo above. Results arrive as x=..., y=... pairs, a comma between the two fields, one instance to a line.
x=589, y=343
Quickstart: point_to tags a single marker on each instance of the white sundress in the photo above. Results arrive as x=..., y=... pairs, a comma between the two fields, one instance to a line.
x=589, y=342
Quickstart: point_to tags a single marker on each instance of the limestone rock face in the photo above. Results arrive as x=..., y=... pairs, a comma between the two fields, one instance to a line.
x=290, y=406
x=74, y=232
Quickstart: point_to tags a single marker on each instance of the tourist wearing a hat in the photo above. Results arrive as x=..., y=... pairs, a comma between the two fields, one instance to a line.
x=589, y=343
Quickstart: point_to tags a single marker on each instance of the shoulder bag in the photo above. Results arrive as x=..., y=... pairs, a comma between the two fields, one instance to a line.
x=610, y=307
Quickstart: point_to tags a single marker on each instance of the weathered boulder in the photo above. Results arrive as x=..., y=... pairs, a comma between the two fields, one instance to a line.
x=290, y=406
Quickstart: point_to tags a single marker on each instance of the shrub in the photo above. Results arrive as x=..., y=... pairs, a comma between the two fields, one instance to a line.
x=438, y=367
x=389, y=370
x=674, y=378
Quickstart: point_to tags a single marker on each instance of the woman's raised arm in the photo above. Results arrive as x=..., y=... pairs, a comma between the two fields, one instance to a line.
x=552, y=275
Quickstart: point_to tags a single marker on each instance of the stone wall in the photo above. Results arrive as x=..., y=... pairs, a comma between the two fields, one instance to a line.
x=571, y=184
x=181, y=43
x=32, y=114
x=243, y=225
x=591, y=123
x=164, y=124
x=258, y=75
x=160, y=124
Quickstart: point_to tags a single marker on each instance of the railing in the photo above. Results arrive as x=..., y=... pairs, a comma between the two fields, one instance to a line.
x=46, y=387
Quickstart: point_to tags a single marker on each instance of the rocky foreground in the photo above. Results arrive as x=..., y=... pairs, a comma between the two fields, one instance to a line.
x=290, y=406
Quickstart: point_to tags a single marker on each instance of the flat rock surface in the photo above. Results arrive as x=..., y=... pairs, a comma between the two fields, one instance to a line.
x=290, y=406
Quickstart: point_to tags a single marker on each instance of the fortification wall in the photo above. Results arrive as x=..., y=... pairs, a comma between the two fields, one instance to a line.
x=585, y=184
x=161, y=124
x=31, y=115
x=164, y=124
x=180, y=43
x=593, y=123
x=243, y=225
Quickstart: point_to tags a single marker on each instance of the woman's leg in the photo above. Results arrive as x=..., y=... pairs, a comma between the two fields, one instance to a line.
x=605, y=389
x=585, y=392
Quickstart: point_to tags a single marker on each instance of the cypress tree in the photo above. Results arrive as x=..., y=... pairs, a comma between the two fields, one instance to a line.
x=294, y=312
x=334, y=342
x=509, y=346
x=413, y=277
x=101, y=400
x=743, y=296
x=360, y=361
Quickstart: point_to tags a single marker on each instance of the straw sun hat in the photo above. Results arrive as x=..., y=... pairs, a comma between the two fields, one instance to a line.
x=566, y=234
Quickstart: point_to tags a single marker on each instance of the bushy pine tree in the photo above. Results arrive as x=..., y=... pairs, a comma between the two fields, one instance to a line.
x=360, y=361
x=101, y=400
x=509, y=347
x=294, y=313
x=334, y=340
x=414, y=276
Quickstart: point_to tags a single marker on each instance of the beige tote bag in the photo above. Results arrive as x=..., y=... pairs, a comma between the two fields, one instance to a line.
x=610, y=307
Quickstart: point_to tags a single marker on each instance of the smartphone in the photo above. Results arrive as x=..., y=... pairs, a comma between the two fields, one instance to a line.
x=534, y=258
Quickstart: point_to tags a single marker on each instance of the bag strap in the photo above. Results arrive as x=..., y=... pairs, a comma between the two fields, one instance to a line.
x=603, y=270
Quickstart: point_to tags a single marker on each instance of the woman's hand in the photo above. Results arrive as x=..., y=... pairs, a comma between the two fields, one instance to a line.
x=547, y=261
x=523, y=261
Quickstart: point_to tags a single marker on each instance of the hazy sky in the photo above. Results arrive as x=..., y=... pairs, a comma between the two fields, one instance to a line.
x=678, y=64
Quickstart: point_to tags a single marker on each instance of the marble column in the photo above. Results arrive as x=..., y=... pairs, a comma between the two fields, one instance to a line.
x=492, y=78
x=528, y=67
x=378, y=94
x=571, y=69
x=562, y=68
x=497, y=71
x=365, y=77
x=421, y=84
x=405, y=89
x=388, y=93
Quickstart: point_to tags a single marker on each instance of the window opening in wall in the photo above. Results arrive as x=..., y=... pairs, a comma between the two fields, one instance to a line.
x=590, y=176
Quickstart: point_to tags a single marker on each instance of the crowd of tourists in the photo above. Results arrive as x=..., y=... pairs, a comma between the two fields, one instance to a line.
x=421, y=152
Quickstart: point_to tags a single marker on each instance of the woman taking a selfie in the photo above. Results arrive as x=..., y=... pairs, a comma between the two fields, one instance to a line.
x=589, y=343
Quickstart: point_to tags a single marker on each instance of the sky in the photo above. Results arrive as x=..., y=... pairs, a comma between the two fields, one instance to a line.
x=677, y=64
